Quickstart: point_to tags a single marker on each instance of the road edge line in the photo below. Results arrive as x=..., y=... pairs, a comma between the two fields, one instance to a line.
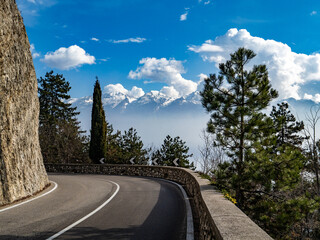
x=190, y=227
x=88, y=215
x=29, y=200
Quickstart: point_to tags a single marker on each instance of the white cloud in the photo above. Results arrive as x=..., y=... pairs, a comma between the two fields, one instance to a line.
x=307, y=96
x=113, y=89
x=133, y=40
x=202, y=77
x=135, y=92
x=208, y=46
x=287, y=69
x=183, y=17
x=164, y=71
x=170, y=92
x=33, y=51
x=118, y=93
x=68, y=58
x=313, y=13
x=95, y=39
x=32, y=1
x=35, y=55
x=116, y=89
x=315, y=98
x=206, y=2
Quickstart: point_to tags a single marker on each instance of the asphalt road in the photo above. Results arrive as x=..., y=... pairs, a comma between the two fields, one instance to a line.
x=141, y=208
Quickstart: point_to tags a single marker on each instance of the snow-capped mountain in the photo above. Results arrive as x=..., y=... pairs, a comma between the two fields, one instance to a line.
x=150, y=103
x=156, y=115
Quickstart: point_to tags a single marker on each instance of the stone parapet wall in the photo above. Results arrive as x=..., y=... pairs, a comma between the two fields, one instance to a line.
x=214, y=216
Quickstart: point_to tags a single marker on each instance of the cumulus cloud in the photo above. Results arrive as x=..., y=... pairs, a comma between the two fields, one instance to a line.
x=95, y=39
x=68, y=58
x=170, y=92
x=33, y=51
x=164, y=71
x=202, y=77
x=128, y=40
x=207, y=46
x=135, y=92
x=287, y=69
x=118, y=89
x=315, y=98
x=183, y=17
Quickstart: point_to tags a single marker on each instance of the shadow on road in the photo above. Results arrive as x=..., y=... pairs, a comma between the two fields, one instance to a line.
x=167, y=220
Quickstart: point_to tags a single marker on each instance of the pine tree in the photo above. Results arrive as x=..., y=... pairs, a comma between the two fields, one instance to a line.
x=113, y=152
x=98, y=144
x=266, y=162
x=236, y=116
x=287, y=129
x=61, y=139
x=172, y=149
x=272, y=193
x=53, y=93
x=132, y=147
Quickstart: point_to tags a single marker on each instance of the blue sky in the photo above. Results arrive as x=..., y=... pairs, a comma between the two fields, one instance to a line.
x=110, y=38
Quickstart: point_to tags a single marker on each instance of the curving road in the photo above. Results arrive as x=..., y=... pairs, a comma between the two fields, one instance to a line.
x=131, y=208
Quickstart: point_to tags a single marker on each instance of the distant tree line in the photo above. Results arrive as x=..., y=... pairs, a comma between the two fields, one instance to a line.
x=272, y=161
x=63, y=141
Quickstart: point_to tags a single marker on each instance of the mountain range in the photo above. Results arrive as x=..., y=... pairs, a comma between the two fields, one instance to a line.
x=156, y=115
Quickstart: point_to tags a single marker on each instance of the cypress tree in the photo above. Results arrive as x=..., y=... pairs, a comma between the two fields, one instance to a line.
x=98, y=141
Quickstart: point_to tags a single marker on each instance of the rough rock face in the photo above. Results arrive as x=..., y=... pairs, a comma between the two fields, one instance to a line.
x=22, y=172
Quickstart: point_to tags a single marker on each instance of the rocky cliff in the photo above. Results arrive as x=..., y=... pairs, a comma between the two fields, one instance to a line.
x=22, y=172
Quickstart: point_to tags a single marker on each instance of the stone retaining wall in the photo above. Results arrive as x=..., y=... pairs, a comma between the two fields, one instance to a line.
x=214, y=216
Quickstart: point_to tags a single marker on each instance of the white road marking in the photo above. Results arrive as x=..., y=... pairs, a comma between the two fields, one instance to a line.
x=19, y=204
x=190, y=228
x=88, y=215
